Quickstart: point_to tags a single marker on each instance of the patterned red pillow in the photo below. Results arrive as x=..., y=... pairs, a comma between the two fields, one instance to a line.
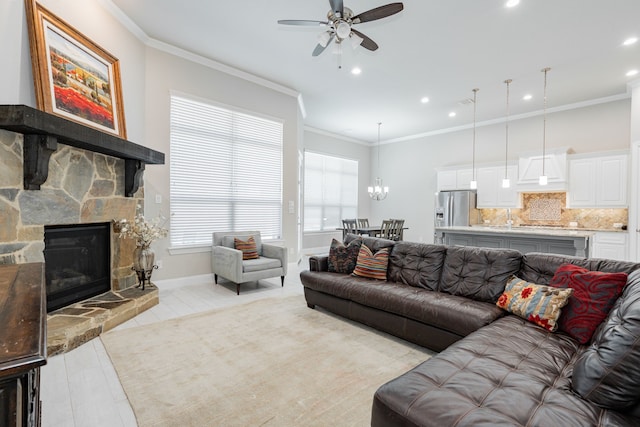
x=594, y=294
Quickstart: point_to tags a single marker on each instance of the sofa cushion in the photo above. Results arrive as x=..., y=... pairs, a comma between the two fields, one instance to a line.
x=342, y=259
x=370, y=265
x=248, y=248
x=478, y=273
x=455, y=314
x=416, y=264
x=594, y=294
x=373, y=243
x=607, y=372
x=509, y=373
x=260, y=264
x=540, y=267
x=538, y=304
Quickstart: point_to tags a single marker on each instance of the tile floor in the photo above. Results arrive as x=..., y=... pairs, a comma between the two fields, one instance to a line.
x=81, y=388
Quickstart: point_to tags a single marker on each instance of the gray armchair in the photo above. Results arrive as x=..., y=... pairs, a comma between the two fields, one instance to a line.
x=226, y=261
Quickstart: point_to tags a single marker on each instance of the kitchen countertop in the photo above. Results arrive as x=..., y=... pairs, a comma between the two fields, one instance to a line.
x=550, y=231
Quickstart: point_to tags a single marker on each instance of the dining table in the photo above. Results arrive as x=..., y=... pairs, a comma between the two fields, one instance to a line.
x=373, y=230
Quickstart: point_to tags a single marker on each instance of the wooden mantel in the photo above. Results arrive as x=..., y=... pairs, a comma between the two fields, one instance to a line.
x=43, y=131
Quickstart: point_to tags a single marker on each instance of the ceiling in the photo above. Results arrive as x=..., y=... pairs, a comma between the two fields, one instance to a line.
x=441, y=49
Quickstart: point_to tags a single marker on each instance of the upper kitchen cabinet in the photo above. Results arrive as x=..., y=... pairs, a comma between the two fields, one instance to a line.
x=598, y=181
x=490, y=191
x=530, y=167
x=454, y=179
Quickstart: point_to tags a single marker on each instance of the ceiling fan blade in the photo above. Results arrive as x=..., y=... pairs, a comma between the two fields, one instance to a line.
x=378, y=13
x=367, y=43
x=302, y=22
x=319, y=48
x=337, y=6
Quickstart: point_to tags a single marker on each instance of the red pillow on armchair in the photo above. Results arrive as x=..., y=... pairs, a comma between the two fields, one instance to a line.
x=594, y=294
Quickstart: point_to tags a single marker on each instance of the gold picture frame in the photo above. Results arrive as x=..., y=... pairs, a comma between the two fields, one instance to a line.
x=74, y=78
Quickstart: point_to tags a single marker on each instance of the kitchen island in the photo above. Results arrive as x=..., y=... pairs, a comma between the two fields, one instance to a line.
x=524, y=239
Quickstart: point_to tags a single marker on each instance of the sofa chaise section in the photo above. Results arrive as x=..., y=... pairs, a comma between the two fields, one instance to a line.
x=514, y=373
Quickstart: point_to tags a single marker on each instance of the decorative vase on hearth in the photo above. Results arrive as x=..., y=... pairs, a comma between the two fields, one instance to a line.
x=143, y=263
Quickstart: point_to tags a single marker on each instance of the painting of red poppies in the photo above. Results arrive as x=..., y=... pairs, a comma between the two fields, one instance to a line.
x=74, y=78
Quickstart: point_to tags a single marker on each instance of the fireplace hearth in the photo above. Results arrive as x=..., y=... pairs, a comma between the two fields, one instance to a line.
x=77, y=263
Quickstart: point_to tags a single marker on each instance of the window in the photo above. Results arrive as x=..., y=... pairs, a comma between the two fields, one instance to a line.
x=226, y=172
x=330, y=191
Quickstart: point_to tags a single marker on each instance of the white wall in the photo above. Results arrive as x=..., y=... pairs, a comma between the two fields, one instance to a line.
x=409, y=168
x=95, y=23
x=166, y=73
x=148, y=75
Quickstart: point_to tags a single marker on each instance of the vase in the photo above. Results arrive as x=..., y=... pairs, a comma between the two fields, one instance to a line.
x=143, y=259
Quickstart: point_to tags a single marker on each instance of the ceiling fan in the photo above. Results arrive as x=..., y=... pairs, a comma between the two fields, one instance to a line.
x=340, y=21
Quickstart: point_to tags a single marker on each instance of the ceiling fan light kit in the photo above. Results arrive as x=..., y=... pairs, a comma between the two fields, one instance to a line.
x=340, y=21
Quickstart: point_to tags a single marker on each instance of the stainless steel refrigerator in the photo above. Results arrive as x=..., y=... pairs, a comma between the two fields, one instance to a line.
x=456, y=208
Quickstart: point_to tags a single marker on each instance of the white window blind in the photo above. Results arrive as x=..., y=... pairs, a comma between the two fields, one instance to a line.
x=226, y=172
x=330, y=191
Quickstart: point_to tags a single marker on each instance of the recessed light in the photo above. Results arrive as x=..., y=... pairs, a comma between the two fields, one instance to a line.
x=512, y=3
x=630, y=41
x=527, y=97
x=452, y=114
x=424, y=99
x=356, y=71
x=632, y=73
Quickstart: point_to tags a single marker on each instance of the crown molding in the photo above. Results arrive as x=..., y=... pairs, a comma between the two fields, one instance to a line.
x=121, y=17
x=336, y=136
x=513, y=118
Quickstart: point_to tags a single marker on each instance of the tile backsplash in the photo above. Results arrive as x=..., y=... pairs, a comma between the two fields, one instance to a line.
x=549, y=209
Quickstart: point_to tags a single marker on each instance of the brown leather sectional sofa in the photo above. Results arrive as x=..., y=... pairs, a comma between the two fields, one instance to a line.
x=493, y=369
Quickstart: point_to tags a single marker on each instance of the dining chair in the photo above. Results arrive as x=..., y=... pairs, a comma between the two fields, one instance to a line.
x=386, y=230
x=349, y=226
x=398, y=229
x=363, y=222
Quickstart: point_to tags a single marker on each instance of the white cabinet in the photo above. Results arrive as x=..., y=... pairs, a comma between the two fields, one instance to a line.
x=454, y=179
x=610, y=245
x=490, y=191
x=598, y=182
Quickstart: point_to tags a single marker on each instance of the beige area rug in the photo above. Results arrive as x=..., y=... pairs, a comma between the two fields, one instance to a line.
x=273, y=362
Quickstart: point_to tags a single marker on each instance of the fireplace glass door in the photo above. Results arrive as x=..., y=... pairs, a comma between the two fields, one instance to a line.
x=77, y=262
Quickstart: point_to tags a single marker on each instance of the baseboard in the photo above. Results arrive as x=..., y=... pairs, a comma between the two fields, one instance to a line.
x=166, y=284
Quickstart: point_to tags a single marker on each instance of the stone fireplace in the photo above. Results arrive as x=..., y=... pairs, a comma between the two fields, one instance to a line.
x=56, y=175
x=82, y=188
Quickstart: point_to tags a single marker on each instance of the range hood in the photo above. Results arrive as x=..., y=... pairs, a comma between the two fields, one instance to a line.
x=555, y=167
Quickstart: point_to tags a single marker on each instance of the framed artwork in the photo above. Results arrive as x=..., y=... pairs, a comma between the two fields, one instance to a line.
x=73, y=77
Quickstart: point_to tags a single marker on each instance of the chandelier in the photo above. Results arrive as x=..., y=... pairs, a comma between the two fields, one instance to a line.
x=377, y=191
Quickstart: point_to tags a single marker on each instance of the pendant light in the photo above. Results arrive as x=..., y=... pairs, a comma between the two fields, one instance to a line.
x=474, y=184
x=377, y=191
x=505, y=181
x=543, y=178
